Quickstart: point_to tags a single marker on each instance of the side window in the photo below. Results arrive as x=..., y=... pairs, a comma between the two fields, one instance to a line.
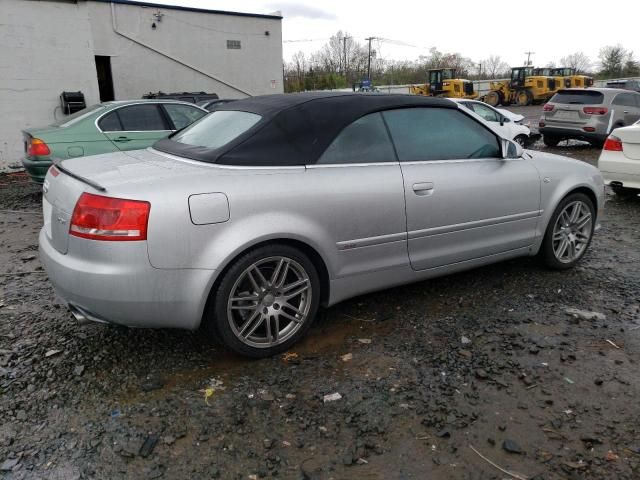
x=439, y=134
x=364, y=141
x=487, y=113
x=110, y=122
x=141, y=118
x=625, y=99
x=182, y=115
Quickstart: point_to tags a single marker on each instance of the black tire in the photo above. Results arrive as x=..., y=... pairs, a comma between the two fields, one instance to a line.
x=493, y=98
x=216, y=321
x=550, y=140
x=521, y=140
x=625, y=192
x=524, y=98
x=547, y=254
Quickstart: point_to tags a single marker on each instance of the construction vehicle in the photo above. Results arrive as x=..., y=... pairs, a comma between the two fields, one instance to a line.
x=443, y=83
x=524, y=88
x=567, y=78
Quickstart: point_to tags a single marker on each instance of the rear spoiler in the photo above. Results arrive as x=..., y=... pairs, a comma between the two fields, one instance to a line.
x=58, y=163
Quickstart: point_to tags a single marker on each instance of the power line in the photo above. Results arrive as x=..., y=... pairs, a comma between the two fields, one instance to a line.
x=305, y=40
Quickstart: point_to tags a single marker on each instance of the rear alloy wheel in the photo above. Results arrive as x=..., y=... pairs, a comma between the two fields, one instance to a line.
x=266, y=301
x=492, y=98
x=569, y=232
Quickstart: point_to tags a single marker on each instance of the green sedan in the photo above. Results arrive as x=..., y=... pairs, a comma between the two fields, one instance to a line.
x=105, y=127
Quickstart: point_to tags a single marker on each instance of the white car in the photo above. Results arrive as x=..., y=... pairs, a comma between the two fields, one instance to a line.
x=506, y=123
x=619, y=161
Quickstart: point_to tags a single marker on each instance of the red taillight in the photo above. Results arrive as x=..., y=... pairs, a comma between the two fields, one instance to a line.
x=589, y=129
x=547, y=107
x=38, y=148
x=613, y=144
x=105, y=218
x=595, y=110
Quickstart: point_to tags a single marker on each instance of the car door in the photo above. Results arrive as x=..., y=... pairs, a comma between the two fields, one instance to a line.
x=357, y=191
x=628, y=104
x=135, y=127
x=182, y=115
x=463, y=200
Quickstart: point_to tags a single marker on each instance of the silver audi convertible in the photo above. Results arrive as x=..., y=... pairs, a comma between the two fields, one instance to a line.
x=250, y=219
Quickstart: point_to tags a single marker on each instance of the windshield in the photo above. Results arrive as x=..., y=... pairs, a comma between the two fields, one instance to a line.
x=579, y=97
x=217, y=129
x=79, y=115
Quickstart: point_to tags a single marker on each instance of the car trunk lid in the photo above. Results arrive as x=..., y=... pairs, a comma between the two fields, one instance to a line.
x=60, y=194
x=112, y=174
x=630, y=137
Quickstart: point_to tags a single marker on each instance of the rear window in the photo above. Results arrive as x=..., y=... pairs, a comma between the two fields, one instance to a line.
x=217, y=129
x=585, y=97
x=79, y=115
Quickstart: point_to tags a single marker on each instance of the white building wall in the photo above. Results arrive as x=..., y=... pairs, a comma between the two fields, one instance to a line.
x=187, y=51
x=48, y=46
x=45, y=49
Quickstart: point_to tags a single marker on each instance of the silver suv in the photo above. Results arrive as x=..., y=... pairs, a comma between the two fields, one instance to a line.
x=587, y=114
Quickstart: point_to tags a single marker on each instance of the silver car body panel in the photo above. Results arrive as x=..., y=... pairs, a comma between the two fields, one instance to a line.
x=373, y=225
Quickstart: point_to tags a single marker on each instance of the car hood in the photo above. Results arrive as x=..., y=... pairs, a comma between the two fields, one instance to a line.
x=556, y=166
x=514, y=117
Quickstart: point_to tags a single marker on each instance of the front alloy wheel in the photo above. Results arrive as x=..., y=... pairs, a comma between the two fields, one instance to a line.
x=265, y=302
x=572, y=232
x=569, y=232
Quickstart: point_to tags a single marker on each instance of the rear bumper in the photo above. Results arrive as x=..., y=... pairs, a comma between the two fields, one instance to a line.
x=123, y=288
x=616, y=168
x=36, y=169
x=573, y=133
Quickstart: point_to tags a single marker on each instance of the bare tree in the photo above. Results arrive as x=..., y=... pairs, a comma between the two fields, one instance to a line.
x=612, y=60
x=494, y=67
x=578, y=60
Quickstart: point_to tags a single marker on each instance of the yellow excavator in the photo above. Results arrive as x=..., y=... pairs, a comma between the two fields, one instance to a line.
x=443, y=83
x=567, y=78
x=524, y=88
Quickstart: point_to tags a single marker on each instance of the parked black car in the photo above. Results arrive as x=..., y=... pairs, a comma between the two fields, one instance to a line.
x=625, y=84
x=193, y=97
x=214, y=104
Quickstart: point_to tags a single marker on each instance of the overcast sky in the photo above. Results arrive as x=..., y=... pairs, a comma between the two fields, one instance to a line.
x=475, y=29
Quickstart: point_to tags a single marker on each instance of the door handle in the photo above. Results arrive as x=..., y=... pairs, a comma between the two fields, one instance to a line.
x=625, y=111
x=121, y=139
x=423, y=188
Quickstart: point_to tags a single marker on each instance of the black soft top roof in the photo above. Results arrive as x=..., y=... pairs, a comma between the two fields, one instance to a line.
x=295, y=129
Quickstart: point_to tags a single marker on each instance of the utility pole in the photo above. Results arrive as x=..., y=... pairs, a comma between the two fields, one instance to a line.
x=528, y=54
x=369, y=60
x=344, y=51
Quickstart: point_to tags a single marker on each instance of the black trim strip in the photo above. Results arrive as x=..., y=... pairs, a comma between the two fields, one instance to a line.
x=91, y=183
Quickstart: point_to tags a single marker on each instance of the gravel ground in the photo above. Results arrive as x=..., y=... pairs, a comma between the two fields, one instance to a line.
x=440, y=379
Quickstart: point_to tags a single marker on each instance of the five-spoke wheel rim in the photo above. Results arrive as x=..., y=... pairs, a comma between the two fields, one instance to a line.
x=572, y=232
x=269, y=302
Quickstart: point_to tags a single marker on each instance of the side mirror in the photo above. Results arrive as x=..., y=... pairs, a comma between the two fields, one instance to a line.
x=511, y=149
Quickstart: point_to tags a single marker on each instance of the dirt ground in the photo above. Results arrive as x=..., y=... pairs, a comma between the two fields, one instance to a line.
x=445, y=379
